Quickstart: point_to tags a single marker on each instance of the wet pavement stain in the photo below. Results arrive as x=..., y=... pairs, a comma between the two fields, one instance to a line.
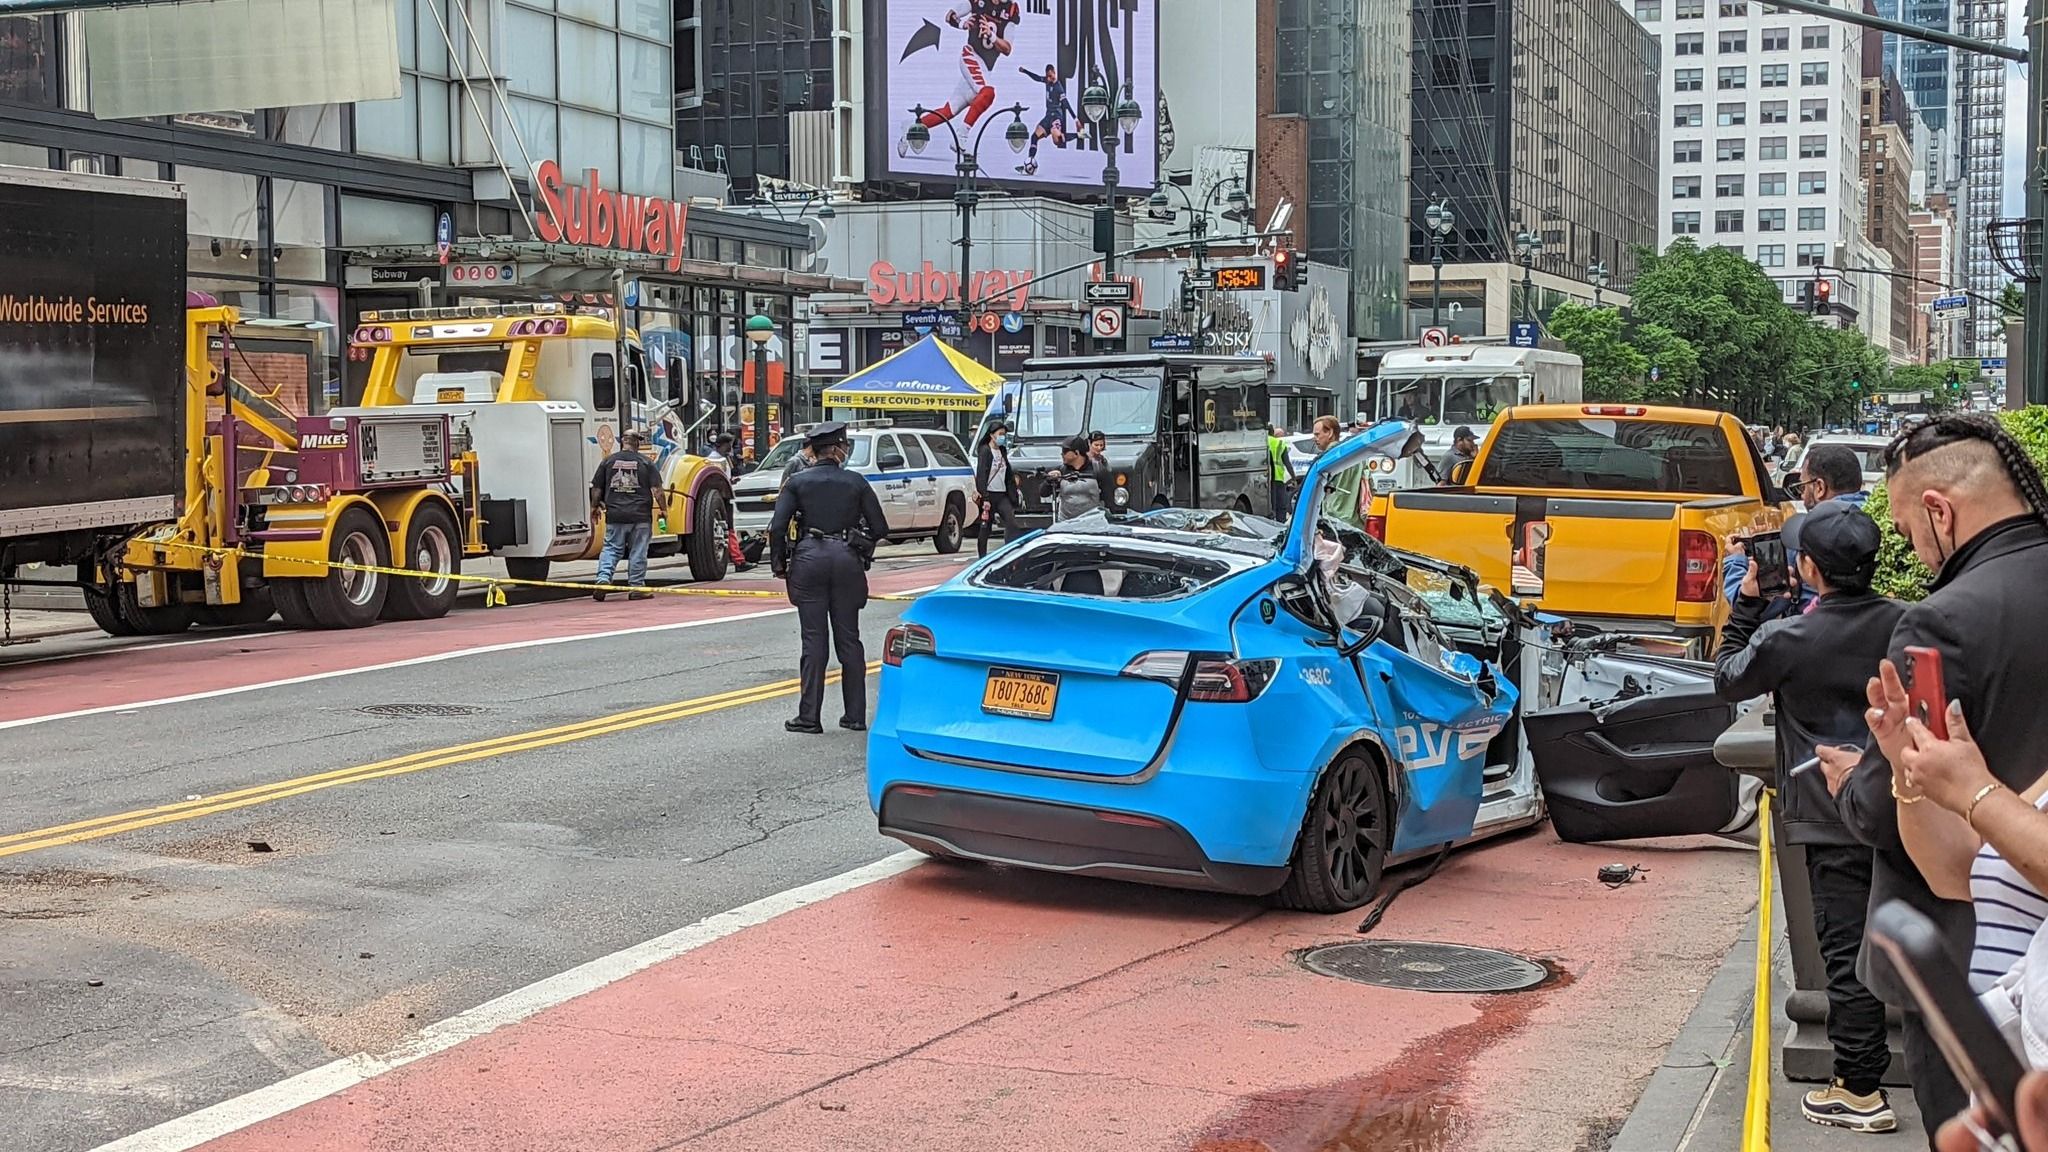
x=1411, y=1104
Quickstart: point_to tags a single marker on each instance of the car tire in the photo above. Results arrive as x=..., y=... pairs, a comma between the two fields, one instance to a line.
x=952, y=527
x=433, y=548
x=1341, y=854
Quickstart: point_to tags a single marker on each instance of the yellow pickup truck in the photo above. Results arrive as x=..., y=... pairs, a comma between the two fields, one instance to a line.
x=1614, y=515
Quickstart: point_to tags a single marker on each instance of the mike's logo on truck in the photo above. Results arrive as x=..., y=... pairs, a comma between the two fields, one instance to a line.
x=70, y=310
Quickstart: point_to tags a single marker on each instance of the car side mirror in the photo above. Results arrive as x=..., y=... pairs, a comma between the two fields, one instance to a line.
x=890, y=461
x=1461, y=471
x=1789, y=482
x=1411, y=447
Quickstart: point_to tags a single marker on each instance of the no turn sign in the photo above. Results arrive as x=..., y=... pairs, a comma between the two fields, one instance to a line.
x=1435, y=337
x=1106, y=321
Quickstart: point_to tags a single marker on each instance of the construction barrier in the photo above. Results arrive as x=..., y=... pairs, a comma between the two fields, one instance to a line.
x=494, y=586
x=1756, y=1109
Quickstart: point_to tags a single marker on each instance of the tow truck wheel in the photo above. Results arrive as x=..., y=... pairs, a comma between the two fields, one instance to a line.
x=947, y=540
x=351, y=598
x=165, y=620
x=430, y=547
x=709, y=553
x=100, y=606
x=289, y=594
x=526, y=567
x=255, y=608
x=1342, y=851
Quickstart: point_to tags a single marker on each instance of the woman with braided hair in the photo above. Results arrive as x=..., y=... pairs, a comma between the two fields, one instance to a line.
x=1972, y=503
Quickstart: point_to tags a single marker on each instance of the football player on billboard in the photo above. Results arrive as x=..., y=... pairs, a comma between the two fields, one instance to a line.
x=1054, y=123
x=987, y=24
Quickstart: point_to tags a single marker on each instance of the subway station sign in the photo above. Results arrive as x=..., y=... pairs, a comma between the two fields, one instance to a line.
x=592, y=214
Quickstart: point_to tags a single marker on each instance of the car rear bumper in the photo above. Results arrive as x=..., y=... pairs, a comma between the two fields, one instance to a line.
x=1062, y=838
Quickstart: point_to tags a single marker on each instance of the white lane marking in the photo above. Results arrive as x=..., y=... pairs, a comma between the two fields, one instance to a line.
x=233, y=1115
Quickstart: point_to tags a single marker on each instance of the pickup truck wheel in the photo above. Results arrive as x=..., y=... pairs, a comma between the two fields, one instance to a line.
x=352, y=598
x=951, y=533
x=1342, y=851
x=100, y=606
x=255, y=608
x=526, y=567
x=431, y=548
x=710, y=552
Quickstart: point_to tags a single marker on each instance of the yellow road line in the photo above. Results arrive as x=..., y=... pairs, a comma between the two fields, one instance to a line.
x=98, y=827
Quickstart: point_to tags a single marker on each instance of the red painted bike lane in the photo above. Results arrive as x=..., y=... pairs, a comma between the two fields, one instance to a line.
x=955, y=1007
x=124, y=677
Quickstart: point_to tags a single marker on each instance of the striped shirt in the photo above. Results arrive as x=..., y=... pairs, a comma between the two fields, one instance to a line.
x=2008, y=910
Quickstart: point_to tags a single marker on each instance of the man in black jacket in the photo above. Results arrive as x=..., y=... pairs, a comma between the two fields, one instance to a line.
x=1815, y=665
x=995, y=486
x=1972, y=503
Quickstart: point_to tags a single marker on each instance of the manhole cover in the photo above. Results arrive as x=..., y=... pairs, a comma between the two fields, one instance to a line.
x=421, y=711
x=1423, y=967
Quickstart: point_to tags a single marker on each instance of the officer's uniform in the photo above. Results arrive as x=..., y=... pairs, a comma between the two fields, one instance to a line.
x=837, y=521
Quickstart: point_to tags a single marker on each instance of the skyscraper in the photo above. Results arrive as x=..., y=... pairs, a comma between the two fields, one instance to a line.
x=1980, y=105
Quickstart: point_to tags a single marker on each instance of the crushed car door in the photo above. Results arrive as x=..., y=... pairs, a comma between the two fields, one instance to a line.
x=1638, y=761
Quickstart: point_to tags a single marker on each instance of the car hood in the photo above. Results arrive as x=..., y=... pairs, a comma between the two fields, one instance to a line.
x=769, y=480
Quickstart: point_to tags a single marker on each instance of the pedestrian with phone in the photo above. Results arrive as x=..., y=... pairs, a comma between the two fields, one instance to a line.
x=1971, y=502
x=1813, y=665
x=995, y=487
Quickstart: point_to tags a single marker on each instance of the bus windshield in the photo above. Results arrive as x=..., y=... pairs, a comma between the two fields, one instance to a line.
x=1060, y=407
x=1446, y=399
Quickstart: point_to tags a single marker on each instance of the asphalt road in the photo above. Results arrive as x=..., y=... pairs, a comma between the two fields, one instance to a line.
x=156, y=971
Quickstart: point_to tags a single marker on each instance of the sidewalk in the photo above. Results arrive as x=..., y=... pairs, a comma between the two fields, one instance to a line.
x=1695, y=1101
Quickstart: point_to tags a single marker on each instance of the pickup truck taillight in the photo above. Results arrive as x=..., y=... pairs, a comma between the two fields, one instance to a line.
x=1699, y=567
x=907, y=640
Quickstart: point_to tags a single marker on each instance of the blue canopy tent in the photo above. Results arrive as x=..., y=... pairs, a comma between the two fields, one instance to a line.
x=928, y=376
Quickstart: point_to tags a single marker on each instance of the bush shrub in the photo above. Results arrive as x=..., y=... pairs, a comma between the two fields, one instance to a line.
x=1899, y=571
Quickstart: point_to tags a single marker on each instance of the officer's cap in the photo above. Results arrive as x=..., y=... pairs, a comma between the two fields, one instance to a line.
x=826, y=435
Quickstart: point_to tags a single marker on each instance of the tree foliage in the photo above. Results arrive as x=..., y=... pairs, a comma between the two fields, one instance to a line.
x=1899, y=572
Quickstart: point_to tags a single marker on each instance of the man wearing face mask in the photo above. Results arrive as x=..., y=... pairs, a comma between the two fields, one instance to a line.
x=995, y=486
x=1972, y=503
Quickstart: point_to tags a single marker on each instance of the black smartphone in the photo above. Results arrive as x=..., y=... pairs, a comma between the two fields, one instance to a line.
x=1974, y=1047
x=1768, y=550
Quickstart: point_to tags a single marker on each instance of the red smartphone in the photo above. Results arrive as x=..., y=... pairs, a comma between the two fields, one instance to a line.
x=1926, y=699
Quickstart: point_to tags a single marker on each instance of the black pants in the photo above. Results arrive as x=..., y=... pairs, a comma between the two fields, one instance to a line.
x=829, y=588
x=1840, y=877
x=994, y=504
x=1281, y=504
x=1936, y=1091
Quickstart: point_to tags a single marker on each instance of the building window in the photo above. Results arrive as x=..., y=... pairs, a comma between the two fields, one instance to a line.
x=1685, y=151
x=1728, y=221
x=1685, y=187
x=1770, y=220
x=1734, y=8
x=1777, y=40
x=1777, y=75
x=1692, y=9
x=1685, y=223
x=1813, y=111
x=1730, y=149
x=1812, y=255
x=1770, y=184
x=1731, y=115
x=1771, y=112
x=1734, y=41
x=1649, y=11
x=1813, y=72
x=1728, y=79
x=1686, y=115
x=1815, y=37
x=1689, y=44
x=1728, y=185
x=1813, y=147
x=1770, y=255
x=1813, y=219
x=1812, y=183
x=1688, y=79
x=28, y=61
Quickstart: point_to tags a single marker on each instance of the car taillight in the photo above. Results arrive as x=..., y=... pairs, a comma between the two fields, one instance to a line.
x=1699, y=568
x=907, y=640
x=1376, y=527
x=1613, y=410
x=1216, y=679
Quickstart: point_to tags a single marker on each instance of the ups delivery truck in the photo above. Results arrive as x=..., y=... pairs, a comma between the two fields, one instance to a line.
x=92, y=364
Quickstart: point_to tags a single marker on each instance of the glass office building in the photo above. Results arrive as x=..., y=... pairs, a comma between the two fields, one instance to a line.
x=743, y=67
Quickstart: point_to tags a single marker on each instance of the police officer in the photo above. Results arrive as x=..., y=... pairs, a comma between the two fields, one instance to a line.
x=827, y=523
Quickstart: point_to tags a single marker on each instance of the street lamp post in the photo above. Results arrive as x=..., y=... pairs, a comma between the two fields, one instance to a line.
x=760, y=330
x=1198, y=215
x=966, y=165
x=1440, y=223
x=1527, y=245
x=1596, y=275
x=1095, y=106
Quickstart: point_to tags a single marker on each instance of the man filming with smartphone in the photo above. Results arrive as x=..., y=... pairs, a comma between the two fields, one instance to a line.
x=1814, y=665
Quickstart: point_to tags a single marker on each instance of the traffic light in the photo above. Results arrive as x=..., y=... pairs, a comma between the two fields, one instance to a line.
x=1823, y=296
x=1286, y=270
x=1855, y=385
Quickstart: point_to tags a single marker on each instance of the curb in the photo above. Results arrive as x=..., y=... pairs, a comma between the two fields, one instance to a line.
x=1708, y=1048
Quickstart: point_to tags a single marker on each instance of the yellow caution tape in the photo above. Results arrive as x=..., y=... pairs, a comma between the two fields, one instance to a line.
x=494, y=586
x=1756, y=1110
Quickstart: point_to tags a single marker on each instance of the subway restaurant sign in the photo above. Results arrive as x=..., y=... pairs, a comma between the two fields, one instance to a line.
x=592, y=214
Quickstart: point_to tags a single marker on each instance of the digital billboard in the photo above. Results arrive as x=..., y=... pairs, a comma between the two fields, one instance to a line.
x=965, y=62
